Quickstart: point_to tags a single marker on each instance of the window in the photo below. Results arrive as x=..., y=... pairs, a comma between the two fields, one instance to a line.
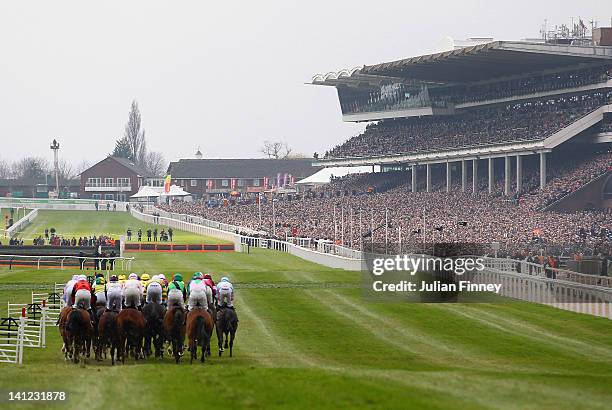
x=108, y=181
x=256, y=182
x=94, y=181
x=108, y=197
x=194, y=182
x=241, y=182
x=224, y=183
x=122, y=197
x=95, y=196
x=123, y=182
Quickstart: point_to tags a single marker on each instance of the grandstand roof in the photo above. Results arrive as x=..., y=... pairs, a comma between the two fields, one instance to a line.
x=479, y=62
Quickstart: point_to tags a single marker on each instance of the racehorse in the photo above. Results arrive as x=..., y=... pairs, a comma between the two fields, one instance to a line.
x=199, y=330
x=108, y=334
x=131, y=325
x=154, y=330
x=81, y=331
x=66, y=336
x=227, y=324
x=98, y=347
x=174, y=328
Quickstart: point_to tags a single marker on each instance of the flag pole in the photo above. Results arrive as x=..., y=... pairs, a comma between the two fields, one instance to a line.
x=386, y=230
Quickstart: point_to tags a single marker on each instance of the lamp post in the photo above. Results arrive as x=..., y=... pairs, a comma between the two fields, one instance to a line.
x=55, y=148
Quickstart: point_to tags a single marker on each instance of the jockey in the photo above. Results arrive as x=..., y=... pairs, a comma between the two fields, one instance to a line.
x=144, y=279
x=211, y=290
x=176, y=292
x=122, y=279
x=154, y=290
x=99, y=291
x=67, y=296
x=163, y=279
x=81, y=293
x=197, y=292
x=132, y=291
x=114, y=294
x=225, y=293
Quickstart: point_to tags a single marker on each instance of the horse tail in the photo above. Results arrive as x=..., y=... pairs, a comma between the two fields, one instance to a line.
x=73, y=321
x=177, y=322
x=200, y=329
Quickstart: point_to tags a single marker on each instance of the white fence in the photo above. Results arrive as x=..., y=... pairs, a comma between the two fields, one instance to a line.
x=61, y=204
x=53, y=302
x=34, y=329
x=12, y=340
x=22, y=223
x=188, y=226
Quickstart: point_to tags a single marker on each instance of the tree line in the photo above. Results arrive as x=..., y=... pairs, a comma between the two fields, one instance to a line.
x=132, y=145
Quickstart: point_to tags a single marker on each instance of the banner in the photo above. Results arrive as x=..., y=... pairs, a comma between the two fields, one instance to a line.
x=233, y=183
x=167, y=182
x=266, y=181
x=210, y=184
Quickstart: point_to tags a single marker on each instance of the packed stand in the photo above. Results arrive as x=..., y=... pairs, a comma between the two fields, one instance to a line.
x=523, y=121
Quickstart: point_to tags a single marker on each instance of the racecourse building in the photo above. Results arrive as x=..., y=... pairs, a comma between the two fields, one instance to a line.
x=482, y=111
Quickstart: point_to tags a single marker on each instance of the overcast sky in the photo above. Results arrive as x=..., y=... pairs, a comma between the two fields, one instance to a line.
x=225, y=76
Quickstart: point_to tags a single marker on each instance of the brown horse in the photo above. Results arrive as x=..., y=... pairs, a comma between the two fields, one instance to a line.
x=154, y=332
x=108, y=334
x=199, y=330
x=81, y=331
x=174, y=328
x=66, y=336
x=227, y=324
x=131, y=325
x=98, y=312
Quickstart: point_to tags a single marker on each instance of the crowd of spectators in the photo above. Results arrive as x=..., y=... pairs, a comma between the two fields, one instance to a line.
x=353, y=212
x=505, y=123
x=397, y=96
x=84, y=241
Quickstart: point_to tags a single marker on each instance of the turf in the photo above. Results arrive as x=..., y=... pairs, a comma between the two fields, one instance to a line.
x=87, y=223
x=308, y=340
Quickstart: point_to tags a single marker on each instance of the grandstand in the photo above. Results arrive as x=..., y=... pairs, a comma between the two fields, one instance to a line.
x=499, y=102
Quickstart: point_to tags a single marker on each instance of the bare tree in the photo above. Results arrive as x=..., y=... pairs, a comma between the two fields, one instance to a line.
x=134, y=135
x=83, y=165
x=276, y=149
x=65, y=170
x=5, y=169
x=30, y=167
x=154, y=164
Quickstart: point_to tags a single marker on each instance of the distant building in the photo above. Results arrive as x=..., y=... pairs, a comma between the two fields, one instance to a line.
x=221, y=177
x=38, y=188
x=114, y=178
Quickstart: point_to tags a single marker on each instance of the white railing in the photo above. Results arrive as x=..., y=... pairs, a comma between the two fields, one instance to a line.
x=61, y=204
x=20, y=224
x=126, y=262
x=12, y=341
x=34, y=333
x=189, y=225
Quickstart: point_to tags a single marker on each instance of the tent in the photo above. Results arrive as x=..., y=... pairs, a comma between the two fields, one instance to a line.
x=146, y=192
x=323, y=176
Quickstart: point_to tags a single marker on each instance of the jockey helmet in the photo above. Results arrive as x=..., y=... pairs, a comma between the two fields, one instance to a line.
x=178, y=277
x=75, y=277
x=82, y=277
x=121, y=277
x=133, y=276
x=197, y=275
x=114, y=278
x=207, y=276
x=224, y=279
x=145, y=276
x=161, y=276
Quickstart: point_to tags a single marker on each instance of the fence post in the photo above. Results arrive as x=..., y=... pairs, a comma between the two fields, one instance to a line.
x=20, y=337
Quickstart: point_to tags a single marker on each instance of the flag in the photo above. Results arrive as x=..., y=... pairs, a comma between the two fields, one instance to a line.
x=233, y=185
x=167, y=182
x=291, y=179
x=210, y=184
x=278, y=179
x=266, y=181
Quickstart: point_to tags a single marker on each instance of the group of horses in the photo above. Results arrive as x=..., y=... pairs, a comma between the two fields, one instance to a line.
x=133, y=331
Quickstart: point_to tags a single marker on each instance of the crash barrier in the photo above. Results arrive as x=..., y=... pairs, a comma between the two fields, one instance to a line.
x=171, y=247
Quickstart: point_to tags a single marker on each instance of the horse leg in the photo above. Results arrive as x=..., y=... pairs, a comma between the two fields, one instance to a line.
x=220, y=340
x=193, y=349
x=226, y=337
x=231, y=342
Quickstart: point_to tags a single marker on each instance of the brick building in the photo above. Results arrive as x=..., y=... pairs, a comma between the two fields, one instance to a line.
x=113, y=178
x=219, y=177
x=38, y=188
